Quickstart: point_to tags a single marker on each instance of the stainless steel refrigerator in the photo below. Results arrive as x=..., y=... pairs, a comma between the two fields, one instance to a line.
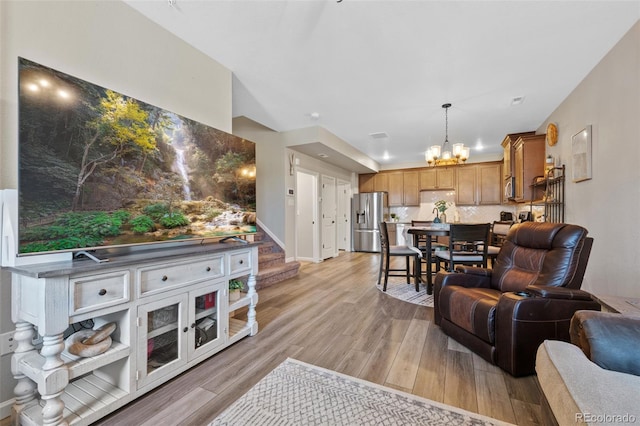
x=367, y=211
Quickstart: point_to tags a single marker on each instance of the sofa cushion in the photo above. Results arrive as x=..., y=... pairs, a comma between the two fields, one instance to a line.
x=579, y=391
x=472, y=309
x=609, y=339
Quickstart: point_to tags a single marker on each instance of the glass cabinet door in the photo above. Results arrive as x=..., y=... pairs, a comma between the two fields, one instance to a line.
x=205, y=320
x=162, y=330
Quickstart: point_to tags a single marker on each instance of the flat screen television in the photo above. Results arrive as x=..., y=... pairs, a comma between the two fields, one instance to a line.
x=99, y=169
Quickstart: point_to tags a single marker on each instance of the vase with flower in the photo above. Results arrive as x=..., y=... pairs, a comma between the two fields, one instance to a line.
x=442, y=206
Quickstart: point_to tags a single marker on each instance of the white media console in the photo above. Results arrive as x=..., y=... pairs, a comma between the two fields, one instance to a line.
x=171, y=310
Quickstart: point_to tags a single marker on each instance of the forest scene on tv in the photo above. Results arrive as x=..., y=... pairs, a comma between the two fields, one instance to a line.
x=98, y=168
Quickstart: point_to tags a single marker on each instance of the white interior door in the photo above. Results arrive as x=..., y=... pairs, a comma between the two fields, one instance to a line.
x=343, y=215
x=307, y=244
x=328, y=206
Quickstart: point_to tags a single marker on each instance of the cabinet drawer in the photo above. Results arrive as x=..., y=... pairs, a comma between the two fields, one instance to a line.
x=98, y=291
x=239, y=262
x=158, y=278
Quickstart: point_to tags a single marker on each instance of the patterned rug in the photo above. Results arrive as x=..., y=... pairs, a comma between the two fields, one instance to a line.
x=296, y=393
x=397, y=287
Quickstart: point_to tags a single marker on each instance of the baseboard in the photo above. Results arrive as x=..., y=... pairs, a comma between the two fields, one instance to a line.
x=269, y=233
x=5, y=408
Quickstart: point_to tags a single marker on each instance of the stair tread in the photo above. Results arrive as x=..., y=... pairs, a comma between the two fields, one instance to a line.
x=272, y=267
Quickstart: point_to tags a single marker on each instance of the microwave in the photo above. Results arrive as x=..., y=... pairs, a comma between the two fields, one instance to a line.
x=509, y=188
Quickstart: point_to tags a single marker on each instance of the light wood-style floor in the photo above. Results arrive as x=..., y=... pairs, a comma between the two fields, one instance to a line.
x=332, y=315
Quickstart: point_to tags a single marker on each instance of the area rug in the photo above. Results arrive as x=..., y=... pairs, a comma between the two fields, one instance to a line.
x=296, y=393
x=397, y=287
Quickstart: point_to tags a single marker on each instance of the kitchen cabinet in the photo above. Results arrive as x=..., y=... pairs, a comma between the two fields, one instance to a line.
x=508, y=146
x=373, y=182
x=479, y=184
x=489, y=184
x=411, y=192
x=466, y=185
x=401, y=186
x=171, y=311
x=436, y=178
x=381, y=182
x=474, y=184
x=395, y=182
x=528, y=163
x=366, y=182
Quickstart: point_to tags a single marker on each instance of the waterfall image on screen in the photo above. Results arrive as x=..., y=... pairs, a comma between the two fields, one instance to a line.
x=100, y=169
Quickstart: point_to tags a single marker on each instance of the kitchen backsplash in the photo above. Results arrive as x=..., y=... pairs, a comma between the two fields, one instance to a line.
x=468, y=214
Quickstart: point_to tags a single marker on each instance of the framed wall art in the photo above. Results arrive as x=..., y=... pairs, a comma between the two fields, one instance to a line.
x=581, y=155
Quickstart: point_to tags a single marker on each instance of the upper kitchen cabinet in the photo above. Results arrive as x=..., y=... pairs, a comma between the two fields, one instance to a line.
x=411, y=188
x=436, y=178
x=466, y=185
x=396, y=189
x=403, y=188
x=489, y=183
x=381, y=182
x=528, y=163
x=508, y=145
x=479, y=184
x=366, y=182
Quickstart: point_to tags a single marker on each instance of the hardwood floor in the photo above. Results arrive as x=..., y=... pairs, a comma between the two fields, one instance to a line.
x=331, y=315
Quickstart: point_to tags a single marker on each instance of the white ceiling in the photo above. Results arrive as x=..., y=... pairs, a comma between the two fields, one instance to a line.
x=387, y=66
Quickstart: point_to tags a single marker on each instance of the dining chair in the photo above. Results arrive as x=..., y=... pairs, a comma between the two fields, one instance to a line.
x=468, y=245
x=497, y=236
x=421, y=243
x=435, y=244
x=387, y=251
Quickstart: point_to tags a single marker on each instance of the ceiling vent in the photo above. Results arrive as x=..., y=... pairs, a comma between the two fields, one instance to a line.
x=517, y=100
x=379, y=135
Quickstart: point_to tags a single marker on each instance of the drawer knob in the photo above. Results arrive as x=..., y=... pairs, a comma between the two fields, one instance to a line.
x=185, y=329
x=208, y=268
x=241, y=261
x=102, y=292
x=164, y=278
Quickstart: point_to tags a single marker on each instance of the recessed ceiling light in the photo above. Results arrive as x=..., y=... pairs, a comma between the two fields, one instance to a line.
x=323, y=155
x=517, y=100
x=314, y=115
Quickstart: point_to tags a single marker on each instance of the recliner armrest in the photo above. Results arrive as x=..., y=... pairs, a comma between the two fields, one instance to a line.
x=474, y=270
x=471, y=280
x=608, y=339
x=551, y=292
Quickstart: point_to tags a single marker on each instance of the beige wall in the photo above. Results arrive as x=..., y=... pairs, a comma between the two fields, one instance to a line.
x=109, y=44
x=270, y=174
x=275, y=210
x=608, y=205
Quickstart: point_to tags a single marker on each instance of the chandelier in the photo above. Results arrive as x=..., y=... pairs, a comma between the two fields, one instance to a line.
x=444, y=155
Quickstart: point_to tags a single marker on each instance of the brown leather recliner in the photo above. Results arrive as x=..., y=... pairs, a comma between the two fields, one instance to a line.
x=503, y=314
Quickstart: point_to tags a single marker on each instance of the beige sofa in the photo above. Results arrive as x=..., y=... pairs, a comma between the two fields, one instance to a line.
x=577, y=390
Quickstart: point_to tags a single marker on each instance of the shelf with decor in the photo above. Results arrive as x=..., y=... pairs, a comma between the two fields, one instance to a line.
x=548, y=191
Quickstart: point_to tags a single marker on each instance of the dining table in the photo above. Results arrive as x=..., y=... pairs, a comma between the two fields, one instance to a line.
x=412, y=236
